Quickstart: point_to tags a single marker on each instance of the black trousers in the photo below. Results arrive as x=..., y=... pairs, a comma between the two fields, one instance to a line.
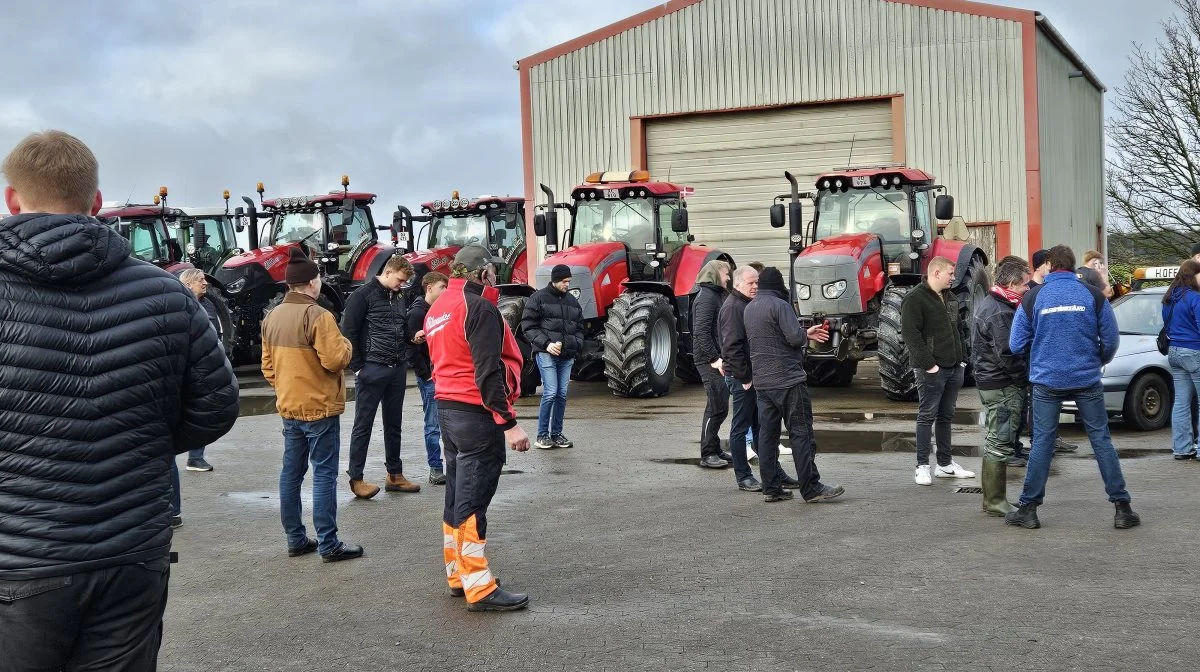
x=716, y=409
x=473, y=452
x=938, y=393
x=793, y=406
x=374, y=385
x=107, y=619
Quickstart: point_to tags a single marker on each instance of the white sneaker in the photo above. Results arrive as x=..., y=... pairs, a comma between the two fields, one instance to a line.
x=784, y=450
x=750, y=454
x=922, y=476
x=955, y=470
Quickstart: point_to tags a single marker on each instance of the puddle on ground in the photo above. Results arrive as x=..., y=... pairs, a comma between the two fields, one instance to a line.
x=510, y=471
x=693, y=461
x=960, y=417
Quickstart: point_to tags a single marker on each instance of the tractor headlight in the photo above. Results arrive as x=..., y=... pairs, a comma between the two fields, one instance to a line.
x=803, y=292
x=834, y=289
x=574, y=291
x=236, y=286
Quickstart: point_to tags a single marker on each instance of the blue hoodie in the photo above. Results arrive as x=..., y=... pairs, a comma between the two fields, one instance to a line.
x=1068, y=339
x=1183, y=324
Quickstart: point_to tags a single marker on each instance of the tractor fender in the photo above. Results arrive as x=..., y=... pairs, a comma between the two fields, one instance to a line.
x=687, y=264
x=962, y=254
x=649, y=286
x=520, y=269
x=375, y=263
x=213, y=283
x=515, y=289
x=335, y=298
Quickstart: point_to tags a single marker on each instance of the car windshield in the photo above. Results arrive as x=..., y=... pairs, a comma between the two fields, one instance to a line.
x=629, y=221
x=481, y=229
x=1139, y=314
x=884, y=213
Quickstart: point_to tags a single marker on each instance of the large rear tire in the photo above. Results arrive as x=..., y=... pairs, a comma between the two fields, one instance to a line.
x=896, y=374
x=511, y=309
x=973, y=288
x=224, y=321
x=641, y=344
x=830, y=372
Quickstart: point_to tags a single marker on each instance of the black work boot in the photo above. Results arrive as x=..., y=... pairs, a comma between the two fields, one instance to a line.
x=1026, y=517
x=500, y=600
x=1125, y=517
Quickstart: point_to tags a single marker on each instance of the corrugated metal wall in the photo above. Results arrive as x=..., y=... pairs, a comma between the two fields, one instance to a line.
x=960, y=76
x=1071, y=144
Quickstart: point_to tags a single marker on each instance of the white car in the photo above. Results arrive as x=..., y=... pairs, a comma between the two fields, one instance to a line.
x=1137, y=382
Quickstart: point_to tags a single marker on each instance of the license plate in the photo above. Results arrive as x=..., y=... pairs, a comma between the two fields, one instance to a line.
x=860, y=181
x=612, y=193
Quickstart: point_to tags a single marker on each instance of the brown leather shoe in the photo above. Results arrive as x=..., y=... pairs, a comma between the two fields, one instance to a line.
x=398, y=483
x=363, y=490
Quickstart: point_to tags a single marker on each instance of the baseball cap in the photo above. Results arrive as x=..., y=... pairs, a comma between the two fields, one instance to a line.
x=475, y=257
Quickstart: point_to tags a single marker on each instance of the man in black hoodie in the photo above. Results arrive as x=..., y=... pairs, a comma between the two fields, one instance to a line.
x=711, y=284
x=110, y=369
x=777, y=349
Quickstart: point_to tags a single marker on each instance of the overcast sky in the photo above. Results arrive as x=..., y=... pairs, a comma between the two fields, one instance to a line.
x=203, y=96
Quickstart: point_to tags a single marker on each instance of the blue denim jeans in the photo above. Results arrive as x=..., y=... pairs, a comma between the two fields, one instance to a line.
x=433, y=431
x=319, y=442
x=196, y=453
x=1185, y=369
x=1047, y=404
x=742, y=427
x=556, y=377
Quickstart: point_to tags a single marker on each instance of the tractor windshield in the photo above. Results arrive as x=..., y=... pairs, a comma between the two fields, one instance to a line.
x=629, y=221
x=884, y=213
x=144, y=238
x=309, y=227
x=488, y=229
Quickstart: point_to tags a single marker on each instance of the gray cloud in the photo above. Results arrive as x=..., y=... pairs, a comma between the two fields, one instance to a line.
x=410, y=98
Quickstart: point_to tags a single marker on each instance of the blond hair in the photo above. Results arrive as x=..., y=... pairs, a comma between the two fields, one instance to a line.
x=52, y=170
x=1090, y=256
x=939, y=264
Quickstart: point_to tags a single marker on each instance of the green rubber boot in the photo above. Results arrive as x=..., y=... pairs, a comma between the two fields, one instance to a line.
x=993, y=479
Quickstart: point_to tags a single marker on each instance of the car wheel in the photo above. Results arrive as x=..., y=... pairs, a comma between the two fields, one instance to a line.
x=1148, y=403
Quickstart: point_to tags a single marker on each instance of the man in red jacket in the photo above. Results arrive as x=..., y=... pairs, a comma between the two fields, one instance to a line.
x=477, y=377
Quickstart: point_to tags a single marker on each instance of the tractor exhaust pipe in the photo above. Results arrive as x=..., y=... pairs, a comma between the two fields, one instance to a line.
x=251, y=221
x=546, y=224
x=795, y=234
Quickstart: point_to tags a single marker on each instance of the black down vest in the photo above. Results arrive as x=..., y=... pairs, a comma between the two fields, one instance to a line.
x=108, y=369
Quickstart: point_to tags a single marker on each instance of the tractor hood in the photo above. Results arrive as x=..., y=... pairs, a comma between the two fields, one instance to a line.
x=587, y=255
x=440, y=259
x=273, y=259
x=597, y=271
x=843, y=245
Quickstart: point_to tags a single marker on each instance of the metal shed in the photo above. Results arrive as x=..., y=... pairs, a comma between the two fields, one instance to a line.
x=724, y=95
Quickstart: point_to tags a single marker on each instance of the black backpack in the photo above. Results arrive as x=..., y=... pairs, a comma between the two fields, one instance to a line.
x=1164, y=341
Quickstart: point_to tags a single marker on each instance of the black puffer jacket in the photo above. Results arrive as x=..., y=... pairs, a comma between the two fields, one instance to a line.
x=550, y=316
x=777, y=342
x=108, y=368
x=375, y=321
x=996, y=366
x=706, y=339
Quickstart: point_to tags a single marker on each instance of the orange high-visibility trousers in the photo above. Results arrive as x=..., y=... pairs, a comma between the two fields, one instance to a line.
x=477, y=580
x=450, y=555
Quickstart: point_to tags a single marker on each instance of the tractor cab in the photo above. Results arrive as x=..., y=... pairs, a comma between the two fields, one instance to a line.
x=208, y=235
x=333, y=229
x=495, y=222
x=146, y=227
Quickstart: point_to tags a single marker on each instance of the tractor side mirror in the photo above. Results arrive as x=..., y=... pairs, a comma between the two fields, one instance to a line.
x=679, y=221
x=239, y=214
x=550, y=229
x=796, y=226
x=174, y=251
x=539, y=225
x=944, y=207
x=777, y=221
x=510, y=215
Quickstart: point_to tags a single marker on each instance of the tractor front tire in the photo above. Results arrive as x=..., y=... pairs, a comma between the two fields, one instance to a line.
x=641, y=344
x=225, y=320
x=973, y=288
x=511, y=309
x=896, y=374
x=830, y=372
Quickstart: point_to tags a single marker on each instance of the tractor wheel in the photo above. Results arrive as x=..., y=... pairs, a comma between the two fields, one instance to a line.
x=895, y=368
x=830, y=372
x=686, y=369
x=511, y=309
x=640, y=345
x=224, y=321
x=974, y=288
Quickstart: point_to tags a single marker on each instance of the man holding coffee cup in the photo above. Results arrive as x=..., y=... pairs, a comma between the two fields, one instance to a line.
x=553, y=323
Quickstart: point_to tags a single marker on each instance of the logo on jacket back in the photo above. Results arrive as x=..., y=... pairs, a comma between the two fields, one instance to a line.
x=1062, y=309
x=435, y=323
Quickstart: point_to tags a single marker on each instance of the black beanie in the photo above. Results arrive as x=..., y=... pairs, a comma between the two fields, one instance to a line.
x=560, y=272
x=771, y=279
x=300, y=268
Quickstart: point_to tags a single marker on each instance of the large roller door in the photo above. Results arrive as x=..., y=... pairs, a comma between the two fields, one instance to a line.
x=735, y=162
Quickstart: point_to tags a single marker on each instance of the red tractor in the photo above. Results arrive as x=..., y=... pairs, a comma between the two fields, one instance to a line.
x=634, y=267
x=867, y=246
x=335, y=229
x=148, y=229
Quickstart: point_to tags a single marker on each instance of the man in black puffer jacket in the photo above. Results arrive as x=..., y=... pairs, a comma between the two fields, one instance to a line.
x=777, y=350
x=108, y=369
x=712, y=287
x=553, y=323
x=375, y=321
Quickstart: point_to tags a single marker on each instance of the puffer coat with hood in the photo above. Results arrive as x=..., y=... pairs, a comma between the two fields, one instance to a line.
x=109, y=367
